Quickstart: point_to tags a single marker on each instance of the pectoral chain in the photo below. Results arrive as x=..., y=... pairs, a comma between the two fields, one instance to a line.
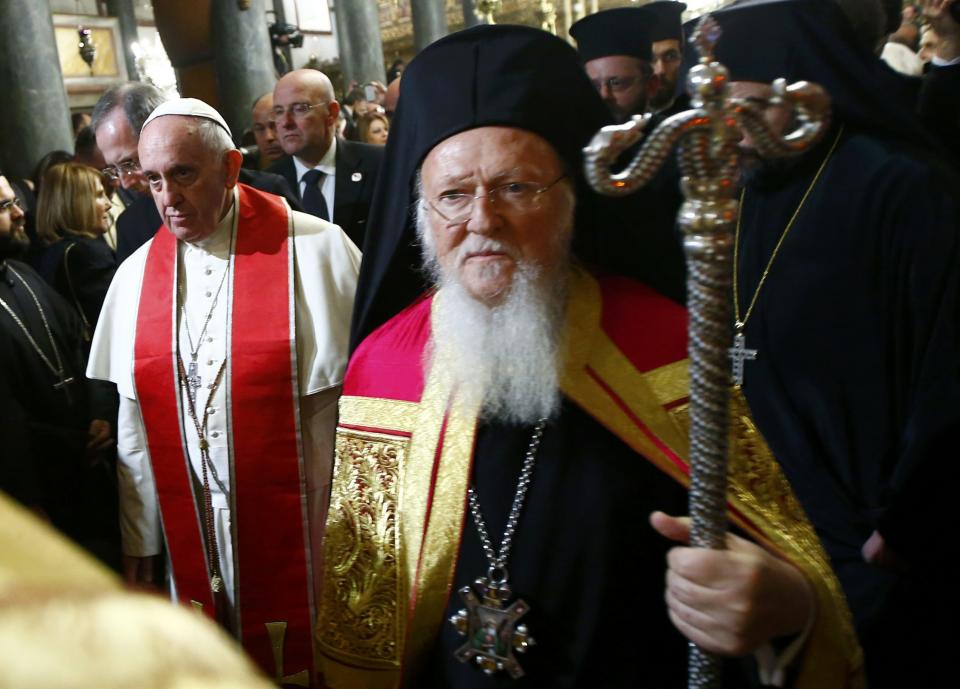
x=56, y=366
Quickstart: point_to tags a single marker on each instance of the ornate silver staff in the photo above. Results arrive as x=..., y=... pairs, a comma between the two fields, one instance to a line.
x=707, y=137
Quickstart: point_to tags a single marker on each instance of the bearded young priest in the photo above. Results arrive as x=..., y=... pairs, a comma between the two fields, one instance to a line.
x=847, y=289
x=517, y=417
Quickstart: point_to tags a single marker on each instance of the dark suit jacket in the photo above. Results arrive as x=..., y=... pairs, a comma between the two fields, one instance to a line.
x=81, y=276
x=357, y=168
x=141, y=220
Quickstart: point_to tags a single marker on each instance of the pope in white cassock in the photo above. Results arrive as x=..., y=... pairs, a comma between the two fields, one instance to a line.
x=226, y=336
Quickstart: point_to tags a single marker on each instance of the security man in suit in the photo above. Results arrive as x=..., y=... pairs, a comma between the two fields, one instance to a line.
x=334, y=177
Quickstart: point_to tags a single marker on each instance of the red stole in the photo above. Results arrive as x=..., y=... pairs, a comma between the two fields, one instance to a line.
x=273, y=598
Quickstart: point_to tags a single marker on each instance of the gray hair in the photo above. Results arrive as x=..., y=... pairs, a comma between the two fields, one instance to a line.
x=213, y=137
x=138, y=100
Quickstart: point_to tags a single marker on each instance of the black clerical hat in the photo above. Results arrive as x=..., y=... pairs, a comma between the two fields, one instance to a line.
x=669, y=22
x=497, y=75
x=812, y=40
x=620, y=31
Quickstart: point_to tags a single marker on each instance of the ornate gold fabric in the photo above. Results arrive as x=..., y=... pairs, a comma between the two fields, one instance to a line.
x=399, y=502
x=760, y=492
x=372, y=412
x=600, y=379
x=361, y=619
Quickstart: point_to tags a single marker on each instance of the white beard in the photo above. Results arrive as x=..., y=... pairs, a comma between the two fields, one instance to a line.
x=504, y=358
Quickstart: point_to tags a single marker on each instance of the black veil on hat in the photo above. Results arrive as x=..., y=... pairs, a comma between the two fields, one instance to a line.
x=495, y=75
x=668, y=22
x=620, y=31
x=812, y=40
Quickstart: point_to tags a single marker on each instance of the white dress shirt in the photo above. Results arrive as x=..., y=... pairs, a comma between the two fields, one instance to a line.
x=328, y=166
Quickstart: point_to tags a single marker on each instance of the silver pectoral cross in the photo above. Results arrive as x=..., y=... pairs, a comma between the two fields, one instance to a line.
x=738, y=355
x=62, y=385
x=193, y=376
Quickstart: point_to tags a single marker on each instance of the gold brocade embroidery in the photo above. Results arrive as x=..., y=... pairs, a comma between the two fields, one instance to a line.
x=361, y=618
x=669, y=383
x=375, y=412
x=416, y=517
x=437, y=531
x=438, y=558
x=586, y=348
x=761, y=492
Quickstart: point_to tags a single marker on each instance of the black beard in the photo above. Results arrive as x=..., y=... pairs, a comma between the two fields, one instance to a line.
x=662, y=98
x=757, y=171
x=13, y=244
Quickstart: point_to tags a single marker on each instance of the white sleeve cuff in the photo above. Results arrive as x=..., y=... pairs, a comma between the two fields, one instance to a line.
x=771, y=666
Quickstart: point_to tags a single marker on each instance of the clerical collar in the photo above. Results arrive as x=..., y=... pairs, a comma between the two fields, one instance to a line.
x=219, y=240
x=327, y=164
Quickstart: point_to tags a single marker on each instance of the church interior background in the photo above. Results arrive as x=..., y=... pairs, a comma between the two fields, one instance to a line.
x=174, y=44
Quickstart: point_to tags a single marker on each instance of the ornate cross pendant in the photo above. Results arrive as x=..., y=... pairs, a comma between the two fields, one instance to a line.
x=491, y=628
x=193, y=376
x=739, y=354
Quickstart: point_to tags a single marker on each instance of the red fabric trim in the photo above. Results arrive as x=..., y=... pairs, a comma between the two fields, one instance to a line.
x=667, y=452
x=158, y=396
x=272, y=581
x=371, y=429
x=623, y=301
x=271, y=576
x=664, y=449
x=389, y=362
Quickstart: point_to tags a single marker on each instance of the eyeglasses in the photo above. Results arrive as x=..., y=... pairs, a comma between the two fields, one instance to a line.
x=298, y=110
x=615, y=84
x=8, y=204
x=124, y=169
x=261, y=128
x=456, y=207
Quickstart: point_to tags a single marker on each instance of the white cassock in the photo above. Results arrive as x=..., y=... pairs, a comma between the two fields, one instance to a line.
x=326, y=264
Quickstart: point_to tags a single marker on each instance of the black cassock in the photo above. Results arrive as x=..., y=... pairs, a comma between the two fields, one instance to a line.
x=45, y=465
x=856, y=384
x=584, y=558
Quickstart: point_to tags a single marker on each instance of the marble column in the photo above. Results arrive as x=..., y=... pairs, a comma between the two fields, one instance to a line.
x=358, y=40
x=35, y=117
x=123, y=11
x=470, y=16
x=244, y=63
x=429, y=21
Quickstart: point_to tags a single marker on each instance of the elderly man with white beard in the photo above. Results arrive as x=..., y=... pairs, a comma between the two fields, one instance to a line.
x=504, y=438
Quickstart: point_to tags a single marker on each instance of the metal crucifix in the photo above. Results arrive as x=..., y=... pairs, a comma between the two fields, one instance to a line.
x=707, y=137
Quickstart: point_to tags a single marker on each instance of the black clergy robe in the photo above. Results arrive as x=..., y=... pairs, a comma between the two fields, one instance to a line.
x=46, y=465
x=584, y=558
x=856, y=384
x=400, y=542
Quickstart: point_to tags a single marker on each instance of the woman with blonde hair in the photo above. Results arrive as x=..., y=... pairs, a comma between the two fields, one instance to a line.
x=373, y=128
x=73, y=214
